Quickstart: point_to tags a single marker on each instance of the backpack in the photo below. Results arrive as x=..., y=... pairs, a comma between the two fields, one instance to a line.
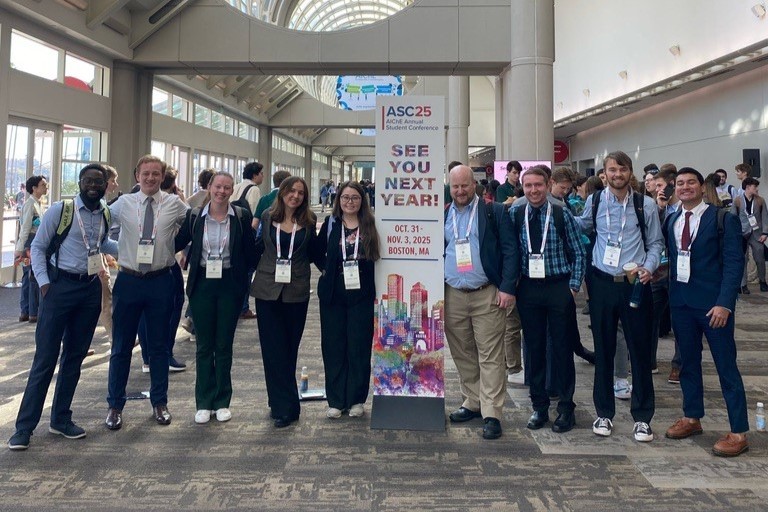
x=637, y=202
x=242, y=202
x=65, y=224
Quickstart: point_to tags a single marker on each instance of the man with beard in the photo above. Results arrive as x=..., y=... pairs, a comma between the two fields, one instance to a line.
x=67, y=267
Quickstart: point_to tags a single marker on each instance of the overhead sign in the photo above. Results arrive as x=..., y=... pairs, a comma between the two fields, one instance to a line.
x=359, y=92
x=500, y=167
x=561, y=152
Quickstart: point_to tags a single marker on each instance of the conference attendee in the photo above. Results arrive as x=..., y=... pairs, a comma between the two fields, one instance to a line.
x=266, y=201
x=148, y=222
x=725, y=191
x=67, y=267
x=31, y=214
x=552, y=264
x=201, y=197
x=703, y=302
x=507, y=189
x=480, y=275
x=222, y=249
x=348, y=245
x=627, y=234
x=752, y=211
x=287, y=246
x=110, y=264
x=743, y=171
x=247, y=193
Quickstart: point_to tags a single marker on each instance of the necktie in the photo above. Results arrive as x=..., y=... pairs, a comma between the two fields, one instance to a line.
x=535, y=230
x=685, y=242
x=146, y=232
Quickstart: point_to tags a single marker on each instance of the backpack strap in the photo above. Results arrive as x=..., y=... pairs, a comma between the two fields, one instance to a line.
x=245, y=191
x=637, y=201
x=721, y=213
x=62, y=230
x=558, y=215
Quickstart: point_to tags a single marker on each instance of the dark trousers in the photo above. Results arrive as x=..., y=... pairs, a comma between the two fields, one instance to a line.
x=133, y=297
x=29, y=299
x=216, y=305
x=689, y=325
x=548, y=308
x=246, y=306
x=609, y=301
x=281, y=325
x=173, y=320
x=346, y=334
x=68, y=316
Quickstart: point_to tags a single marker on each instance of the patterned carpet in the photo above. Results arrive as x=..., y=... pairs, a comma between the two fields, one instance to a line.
x=320, y=464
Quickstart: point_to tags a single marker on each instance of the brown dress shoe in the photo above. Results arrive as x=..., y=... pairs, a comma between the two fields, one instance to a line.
x=247, y=315
x=674, y=376
x=683, y=428
x=162, y=415
x=730, y=446
x=114, y=419
x=32, y=319
x=24, y=318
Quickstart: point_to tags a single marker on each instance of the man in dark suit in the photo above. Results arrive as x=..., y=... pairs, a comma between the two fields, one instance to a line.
x=480, y=275
x=705, y=272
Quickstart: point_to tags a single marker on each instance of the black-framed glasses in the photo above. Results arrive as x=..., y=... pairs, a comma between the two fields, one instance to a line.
x=350, y=199
x=99, y=182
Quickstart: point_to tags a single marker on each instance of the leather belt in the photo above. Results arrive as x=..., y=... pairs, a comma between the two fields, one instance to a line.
x=549, y=279
x=470, y=290
x=75, y=277
x=621, y=278
x=147, y=275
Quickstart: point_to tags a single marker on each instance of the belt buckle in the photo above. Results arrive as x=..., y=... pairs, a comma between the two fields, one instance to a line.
x=618, y=279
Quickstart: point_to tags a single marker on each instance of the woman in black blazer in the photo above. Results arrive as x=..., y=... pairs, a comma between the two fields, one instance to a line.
x=287, y=246
x=349, y=245
x=223, y=248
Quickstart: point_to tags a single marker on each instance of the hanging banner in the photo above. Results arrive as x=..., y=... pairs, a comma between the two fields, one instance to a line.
x=408, y=342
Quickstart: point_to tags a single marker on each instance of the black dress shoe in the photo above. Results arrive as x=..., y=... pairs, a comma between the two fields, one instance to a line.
x=463, y=414
x=565, y=421
x=538, y=419
x=284, y=421
x=492, y=428
x=586, y=355
x=114, y=419
x=162, y=414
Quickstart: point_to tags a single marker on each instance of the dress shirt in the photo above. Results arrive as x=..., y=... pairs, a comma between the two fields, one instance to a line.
x=73, y=255
x=126, y=213
x=693, y=224
x=556, y=259
x=31, y=207
x=198, y=199
x=475, y=278
x=632, y=248
x=216, y=230
x=671, y=208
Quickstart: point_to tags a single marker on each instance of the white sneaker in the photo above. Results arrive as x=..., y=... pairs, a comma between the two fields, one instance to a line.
x=356, y=411
x=144, y=368
x=333, y=413
x=622, y=389
x=602, y=427
x=517, y=378
x=223, y=414
x=203, y=416
x=642, y=432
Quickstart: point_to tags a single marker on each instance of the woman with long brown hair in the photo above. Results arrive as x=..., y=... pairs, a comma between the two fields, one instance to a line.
x=287, y=246
x=349, y=245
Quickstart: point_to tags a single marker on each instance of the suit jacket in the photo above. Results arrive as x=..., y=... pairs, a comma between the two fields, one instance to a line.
x=498, y=248
x=329, y=264
x=759, y=210
x=715, y=278
x=242, y=248
x=264, y=286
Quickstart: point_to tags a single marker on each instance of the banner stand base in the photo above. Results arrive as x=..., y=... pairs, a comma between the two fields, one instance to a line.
x=408, y=413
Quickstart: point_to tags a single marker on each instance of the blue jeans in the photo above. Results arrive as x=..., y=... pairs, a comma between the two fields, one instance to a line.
x=29, y=299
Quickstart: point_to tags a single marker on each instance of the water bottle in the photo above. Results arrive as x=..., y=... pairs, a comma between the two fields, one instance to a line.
x=760, y=417
x=637, y=288
x=304, y=386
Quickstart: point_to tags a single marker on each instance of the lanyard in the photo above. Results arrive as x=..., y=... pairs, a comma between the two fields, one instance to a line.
x=751, y=206
x=277, y=240
x=156, y=215
x=82, y=231
x=222, y=240
x=343, y=247
x=469, y=224
x=546, y=228
x=623, y=215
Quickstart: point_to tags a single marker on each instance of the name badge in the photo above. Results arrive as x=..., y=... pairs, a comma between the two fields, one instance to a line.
x=536, y=266
x=213, y=268
x=463, y=256
x=95, y=262
x=145, y=252
x=351, y=275
x=753, y=222
x=283, y=271
x=612, y=254
x=683, y=266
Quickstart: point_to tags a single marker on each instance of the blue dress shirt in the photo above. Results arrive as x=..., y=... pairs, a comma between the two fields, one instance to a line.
x=476, y=277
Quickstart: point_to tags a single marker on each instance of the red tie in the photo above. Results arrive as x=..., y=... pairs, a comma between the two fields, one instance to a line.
x=685, y=243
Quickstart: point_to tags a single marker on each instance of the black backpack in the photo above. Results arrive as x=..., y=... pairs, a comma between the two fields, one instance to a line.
x=242, y=202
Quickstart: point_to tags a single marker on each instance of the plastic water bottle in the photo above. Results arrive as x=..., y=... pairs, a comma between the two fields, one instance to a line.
x=304, y=386
x=760, y=417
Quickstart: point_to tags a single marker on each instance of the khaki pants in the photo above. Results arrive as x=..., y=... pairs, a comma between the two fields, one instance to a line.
x=512, y=341
x=474, y=329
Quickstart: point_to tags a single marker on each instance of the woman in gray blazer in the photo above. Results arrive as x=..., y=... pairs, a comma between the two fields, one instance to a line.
x=287, y=246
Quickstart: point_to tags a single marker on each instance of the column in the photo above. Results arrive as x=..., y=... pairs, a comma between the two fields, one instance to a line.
x=457, y=138
x=311, y=176
x=6, y=274
x=527, y=95
x=265, y=158
x=501, y=139
x=130, y=135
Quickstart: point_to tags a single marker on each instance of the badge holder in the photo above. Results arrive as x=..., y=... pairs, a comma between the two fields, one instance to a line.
x=283, y=271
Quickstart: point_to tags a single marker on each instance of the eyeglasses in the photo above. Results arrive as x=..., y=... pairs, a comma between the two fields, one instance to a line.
x=350, y=199
x=93, y=181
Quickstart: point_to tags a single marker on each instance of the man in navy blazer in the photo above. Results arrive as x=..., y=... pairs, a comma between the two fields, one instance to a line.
x=705, y=274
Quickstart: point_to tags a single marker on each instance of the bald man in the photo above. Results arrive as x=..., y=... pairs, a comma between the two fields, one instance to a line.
x=481, y=265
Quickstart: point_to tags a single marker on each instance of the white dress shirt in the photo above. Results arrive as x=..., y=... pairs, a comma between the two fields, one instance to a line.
x=693, y=225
